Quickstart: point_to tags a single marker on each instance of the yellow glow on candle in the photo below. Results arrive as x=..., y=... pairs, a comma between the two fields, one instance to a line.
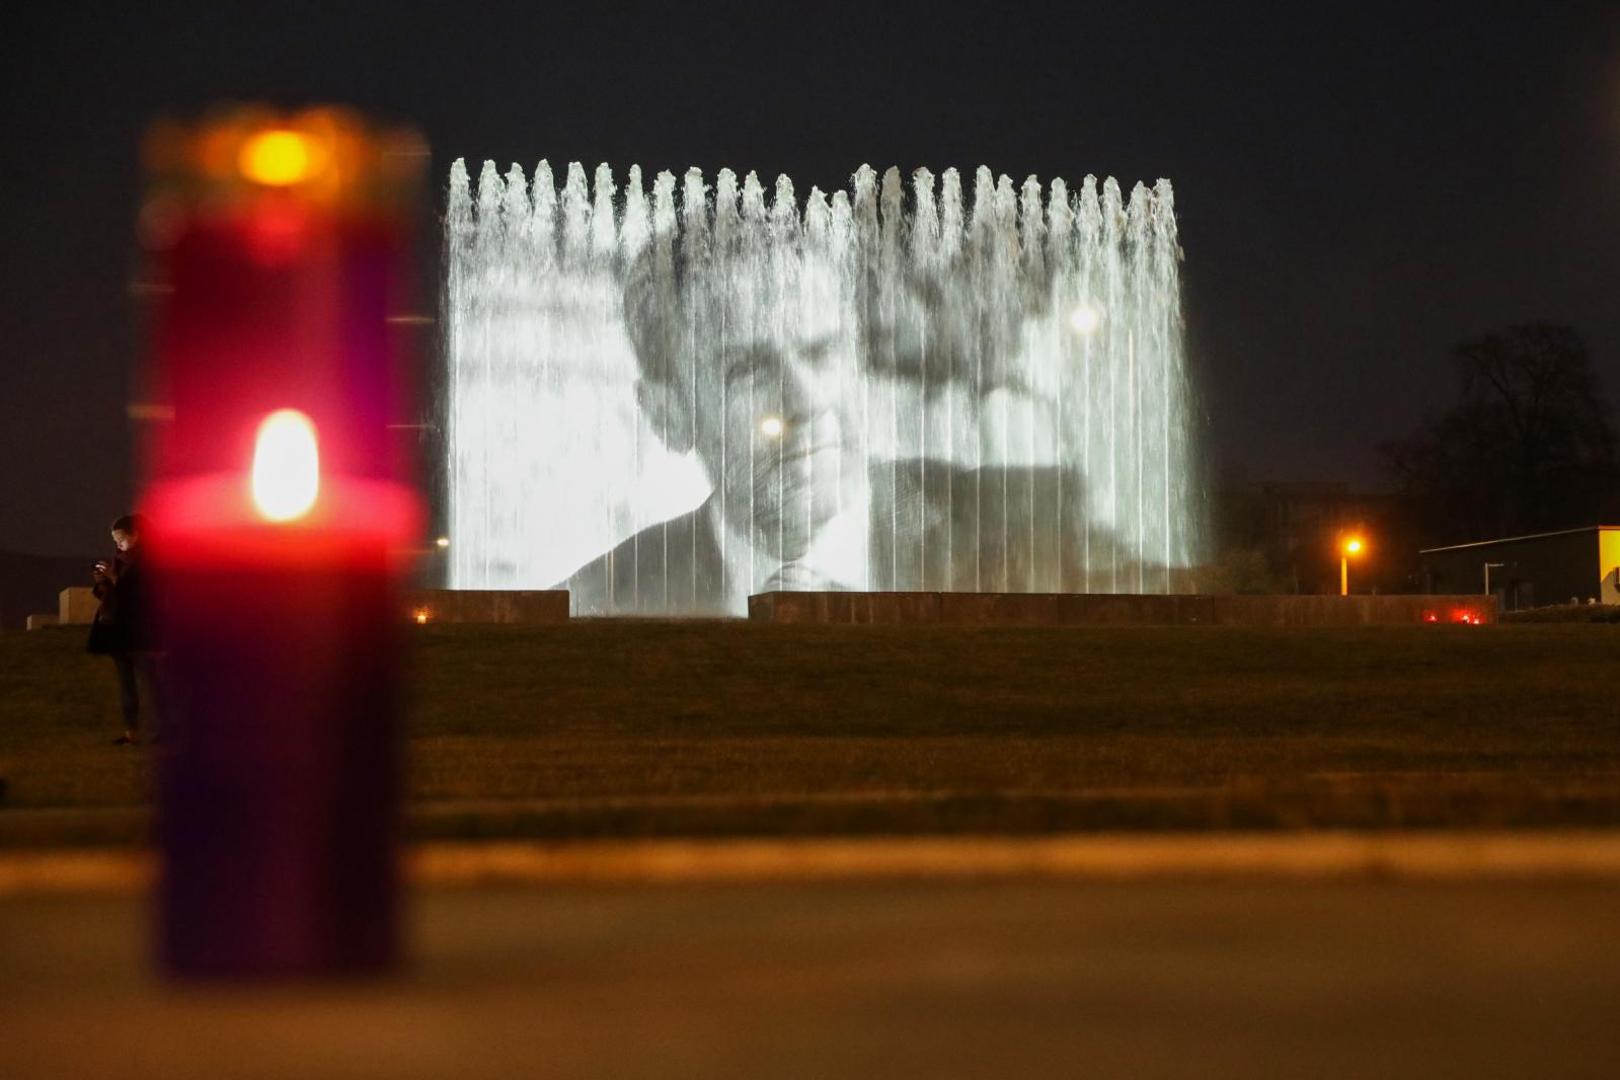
x=279, y=158
x=286, y=466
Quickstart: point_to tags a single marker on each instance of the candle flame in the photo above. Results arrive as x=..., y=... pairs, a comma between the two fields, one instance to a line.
x=286, y=466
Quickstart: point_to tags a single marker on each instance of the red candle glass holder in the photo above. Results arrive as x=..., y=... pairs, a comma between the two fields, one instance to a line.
x=281, y=505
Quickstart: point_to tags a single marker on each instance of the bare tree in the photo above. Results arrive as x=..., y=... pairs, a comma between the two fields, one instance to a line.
x=1528, y=446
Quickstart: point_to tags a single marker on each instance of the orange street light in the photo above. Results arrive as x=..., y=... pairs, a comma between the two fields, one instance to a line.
x=1350, y=545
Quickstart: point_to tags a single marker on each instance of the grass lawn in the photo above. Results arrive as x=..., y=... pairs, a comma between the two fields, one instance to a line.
x=710, y=728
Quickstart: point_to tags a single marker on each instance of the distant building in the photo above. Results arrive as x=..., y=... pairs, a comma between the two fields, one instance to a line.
x=1531, y=571
x=1298, y=526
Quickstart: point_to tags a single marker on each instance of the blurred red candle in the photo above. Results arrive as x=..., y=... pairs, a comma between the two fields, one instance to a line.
x=280, y=502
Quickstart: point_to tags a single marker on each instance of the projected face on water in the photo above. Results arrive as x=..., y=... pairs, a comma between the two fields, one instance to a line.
x=760, y=375
x=668, y=400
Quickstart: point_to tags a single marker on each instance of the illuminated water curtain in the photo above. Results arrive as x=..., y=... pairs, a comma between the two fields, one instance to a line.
x=668, y=402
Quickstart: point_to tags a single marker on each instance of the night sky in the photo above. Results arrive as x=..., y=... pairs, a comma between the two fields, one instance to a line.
x=1359, y=185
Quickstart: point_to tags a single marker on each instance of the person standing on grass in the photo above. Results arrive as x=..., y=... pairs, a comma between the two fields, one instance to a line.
x=123, y=626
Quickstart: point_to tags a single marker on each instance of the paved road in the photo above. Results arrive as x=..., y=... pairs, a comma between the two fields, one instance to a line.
x=896, y=979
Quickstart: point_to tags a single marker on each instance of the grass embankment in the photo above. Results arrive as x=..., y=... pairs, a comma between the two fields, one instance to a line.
x=637, y=729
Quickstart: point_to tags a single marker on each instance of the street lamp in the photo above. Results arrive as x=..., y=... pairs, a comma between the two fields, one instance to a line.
x=1350, y=545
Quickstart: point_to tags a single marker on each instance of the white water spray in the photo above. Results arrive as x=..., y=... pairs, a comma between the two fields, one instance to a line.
x=851, y=393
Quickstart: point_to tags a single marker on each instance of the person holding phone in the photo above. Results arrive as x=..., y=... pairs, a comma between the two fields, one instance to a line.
x=123, y=625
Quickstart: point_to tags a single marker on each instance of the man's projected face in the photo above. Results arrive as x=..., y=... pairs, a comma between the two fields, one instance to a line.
x=768, y=384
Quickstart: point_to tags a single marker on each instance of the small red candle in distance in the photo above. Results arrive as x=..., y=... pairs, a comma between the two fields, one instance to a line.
x=281, y=503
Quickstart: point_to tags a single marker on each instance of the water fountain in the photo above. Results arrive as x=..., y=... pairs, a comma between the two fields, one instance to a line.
x=670, y=401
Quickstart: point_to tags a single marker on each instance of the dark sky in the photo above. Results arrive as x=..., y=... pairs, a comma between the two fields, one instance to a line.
x=1359, y=184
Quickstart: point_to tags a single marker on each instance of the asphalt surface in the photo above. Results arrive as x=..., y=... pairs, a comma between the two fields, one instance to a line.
x=893, y=979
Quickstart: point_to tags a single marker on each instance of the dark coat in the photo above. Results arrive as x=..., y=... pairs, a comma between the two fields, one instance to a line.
x=123, y=622
x=995, y=529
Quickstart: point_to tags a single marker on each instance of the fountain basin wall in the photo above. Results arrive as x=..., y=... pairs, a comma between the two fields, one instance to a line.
x=1004, y=609
x=487, y=606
